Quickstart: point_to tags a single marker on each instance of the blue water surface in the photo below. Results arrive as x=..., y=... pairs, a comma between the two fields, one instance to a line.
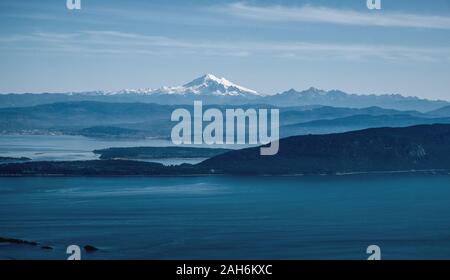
x=316, y=217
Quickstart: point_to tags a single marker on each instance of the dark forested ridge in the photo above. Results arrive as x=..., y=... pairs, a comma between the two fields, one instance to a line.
x=415, y=148
x=159, y=152
x=93, y=168
x=377, y=149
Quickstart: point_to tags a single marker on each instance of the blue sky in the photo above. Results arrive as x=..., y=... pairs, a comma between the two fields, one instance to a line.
x=269, y=46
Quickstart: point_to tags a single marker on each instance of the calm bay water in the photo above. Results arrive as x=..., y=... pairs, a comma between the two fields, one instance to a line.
x=317, y=217
x=71, y=147
x=65, y=147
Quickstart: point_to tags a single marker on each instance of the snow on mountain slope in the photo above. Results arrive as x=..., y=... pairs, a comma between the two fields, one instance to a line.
x=218, y=86
x=213, y=90
x=205, y=85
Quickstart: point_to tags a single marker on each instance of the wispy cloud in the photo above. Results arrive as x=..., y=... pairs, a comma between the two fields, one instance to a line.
x=123, y=43
x=317, y=14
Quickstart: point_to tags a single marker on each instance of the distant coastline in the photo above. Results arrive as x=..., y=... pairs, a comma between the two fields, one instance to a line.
x=424, y=172
x=423, y=148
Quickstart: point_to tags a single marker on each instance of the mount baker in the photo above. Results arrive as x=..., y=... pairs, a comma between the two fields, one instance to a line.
x=211, y=89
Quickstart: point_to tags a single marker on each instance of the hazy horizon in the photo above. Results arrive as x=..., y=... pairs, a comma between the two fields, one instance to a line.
x=261, y=93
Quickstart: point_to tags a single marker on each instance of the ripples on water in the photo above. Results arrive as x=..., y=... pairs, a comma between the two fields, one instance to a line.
x=323, y=217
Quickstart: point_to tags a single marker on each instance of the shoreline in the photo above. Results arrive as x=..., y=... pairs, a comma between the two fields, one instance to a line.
x=337, y=174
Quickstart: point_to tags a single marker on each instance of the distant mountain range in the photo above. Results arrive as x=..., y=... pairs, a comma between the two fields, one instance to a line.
x=411, y=149
x=336, y=98
x=206, y=85
x=213, y=90
x=139, y=120
x=443, y=112
x=357, y=122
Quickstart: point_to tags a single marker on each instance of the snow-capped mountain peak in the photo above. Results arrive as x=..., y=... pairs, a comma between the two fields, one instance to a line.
x=210, y=84
x=205, y=85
